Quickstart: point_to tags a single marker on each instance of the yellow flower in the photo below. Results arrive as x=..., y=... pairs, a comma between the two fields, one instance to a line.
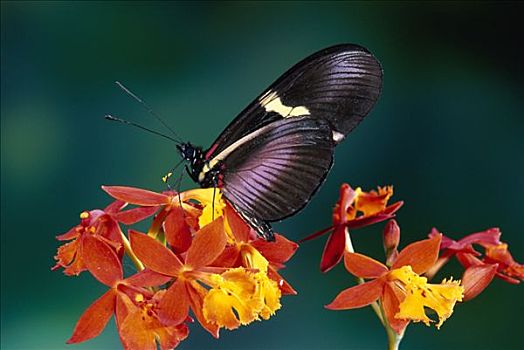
x=419, y=294
x=205, y=197
x=240, y=297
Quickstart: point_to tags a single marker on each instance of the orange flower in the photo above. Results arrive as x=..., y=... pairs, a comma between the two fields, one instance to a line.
x=354, y=209
x=133, y=305
x=101, y=224
x=480, y=269
x=186, y=291
x=402, y=292
x=245, y=248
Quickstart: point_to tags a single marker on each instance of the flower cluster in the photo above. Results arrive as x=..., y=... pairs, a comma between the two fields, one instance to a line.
x=200, y=260
x=198, y=255
x=399, y=290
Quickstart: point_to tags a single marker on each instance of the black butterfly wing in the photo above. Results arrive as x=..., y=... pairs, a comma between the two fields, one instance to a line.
x=339, y=84
x=273, y=175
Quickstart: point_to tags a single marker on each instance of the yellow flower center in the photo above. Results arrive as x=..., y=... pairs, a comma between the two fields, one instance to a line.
x=239, y=297
x=419, y=294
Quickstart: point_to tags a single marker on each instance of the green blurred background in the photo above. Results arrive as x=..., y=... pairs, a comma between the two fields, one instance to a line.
x=447, y=132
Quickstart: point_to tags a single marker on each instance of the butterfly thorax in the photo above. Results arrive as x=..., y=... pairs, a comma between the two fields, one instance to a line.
x=198, y=167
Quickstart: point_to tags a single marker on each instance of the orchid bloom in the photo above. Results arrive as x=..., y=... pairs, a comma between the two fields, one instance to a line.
x=354, y=209
x=101, y=224
x=402, y=291
x=133, y=305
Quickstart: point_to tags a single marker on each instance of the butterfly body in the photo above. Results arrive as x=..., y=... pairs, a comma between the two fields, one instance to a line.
x=272, y=158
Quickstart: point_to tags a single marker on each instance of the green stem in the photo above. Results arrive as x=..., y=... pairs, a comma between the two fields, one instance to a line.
x=393, y=338
x=127, y=248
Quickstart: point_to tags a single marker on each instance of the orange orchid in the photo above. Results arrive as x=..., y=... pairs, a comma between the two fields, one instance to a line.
x=402, y=292
x=101, y=224
x=354, y=209
x=245, y=248
x=186, y=291
x=133, y=305
x=480, y=269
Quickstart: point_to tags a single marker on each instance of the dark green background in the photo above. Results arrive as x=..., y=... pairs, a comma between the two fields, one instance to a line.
x=447, y=133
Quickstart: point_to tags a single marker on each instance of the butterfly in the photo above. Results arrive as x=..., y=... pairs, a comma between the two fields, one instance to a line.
x=273, y=157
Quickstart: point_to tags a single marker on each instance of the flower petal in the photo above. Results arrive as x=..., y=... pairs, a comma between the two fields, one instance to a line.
x=101, y=261
x=115, y=207
x=174, y=306
x=141, y=329
x=420, y=255
x=137, y=196
x=197, y=293
x=490, y=236
x=208, y=244
x=384, y=215
x=94, y=319
x=178, y=233
x=234, y=300
x=358, y=296
x=373, y=202
x=278, y=251
x=333, y=249
x=237, y=225
x=154, y=254
x=132, y=216
x=148, y=278
x=284, y=286
x=363, y=266
x=390, y=304
x=72, y=233
x=476, y=279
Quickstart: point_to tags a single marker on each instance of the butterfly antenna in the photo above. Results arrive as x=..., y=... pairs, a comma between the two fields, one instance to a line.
x=123, y=121
x=148, y=108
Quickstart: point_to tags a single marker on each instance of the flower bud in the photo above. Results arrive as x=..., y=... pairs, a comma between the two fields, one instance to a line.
x=391, y=235
x=391, y=240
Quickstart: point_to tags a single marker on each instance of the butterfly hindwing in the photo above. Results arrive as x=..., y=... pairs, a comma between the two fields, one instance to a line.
x=273, y=175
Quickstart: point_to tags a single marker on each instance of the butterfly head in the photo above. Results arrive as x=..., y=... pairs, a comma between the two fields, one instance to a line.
x=187, y=151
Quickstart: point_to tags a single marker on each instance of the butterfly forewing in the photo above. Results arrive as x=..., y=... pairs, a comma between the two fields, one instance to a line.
x=273, y=175
x=339, y=84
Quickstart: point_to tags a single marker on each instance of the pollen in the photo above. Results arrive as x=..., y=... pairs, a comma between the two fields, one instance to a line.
x=166, y=177
x=139, y=298
x=84, y=215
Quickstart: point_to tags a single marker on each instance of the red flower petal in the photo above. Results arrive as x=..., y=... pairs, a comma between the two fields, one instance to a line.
x=148, y=278
x=154, y=254
x=476, y=279
x=94, y=319
x=208, y=244
x=238, y=226
x=132, y=216
x=490, y=236
x=228, y=258
x=174, y=306
x=115, y=207
x=197, y=294
x=316, y=234
x=358, y=296
x=136, y=196
x=72, y=233
x=391, y=304
x=363, y=266
x=333, y=249
x=178, y=233
x=279, y=251
x=101, y=261
x=420, y=255
x=284, y=286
